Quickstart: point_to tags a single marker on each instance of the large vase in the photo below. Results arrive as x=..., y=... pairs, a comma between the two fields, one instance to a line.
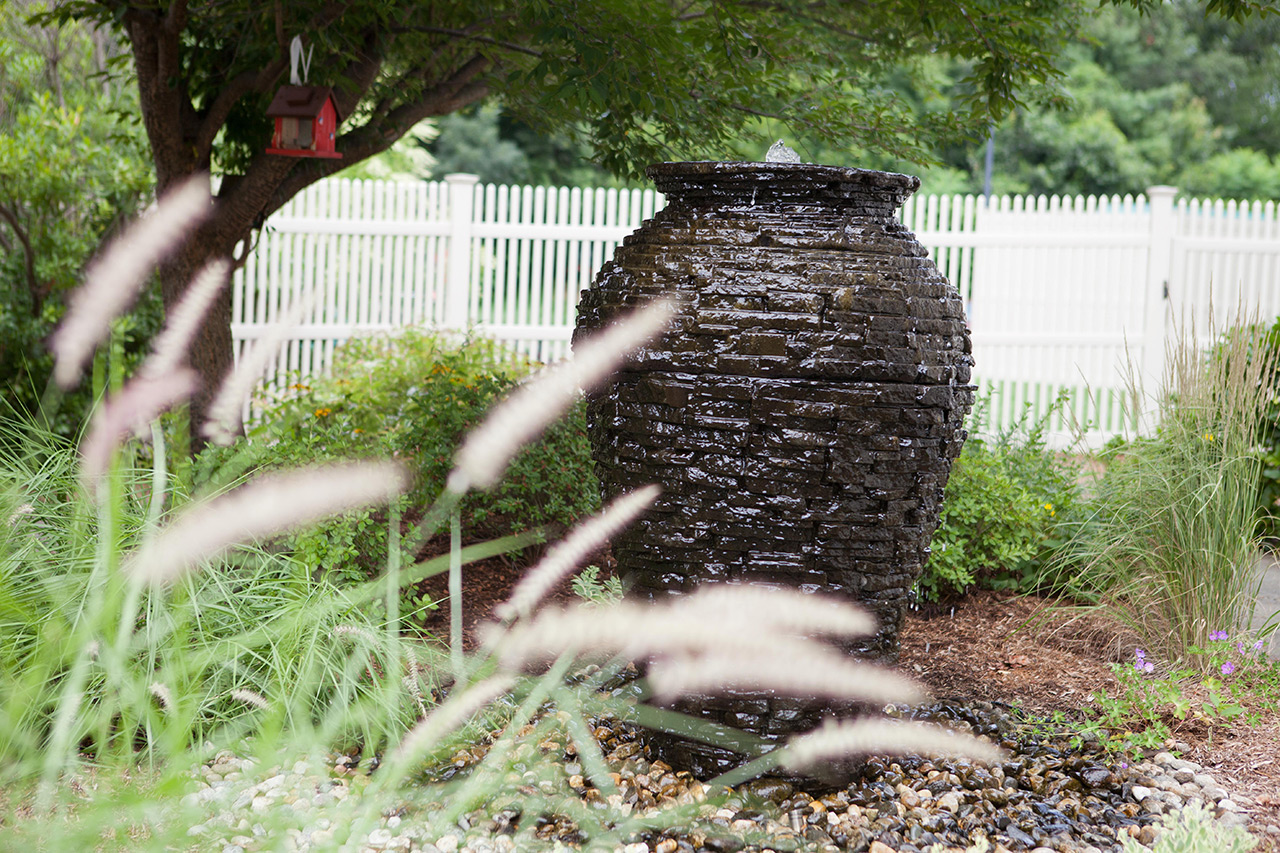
x=802, y=411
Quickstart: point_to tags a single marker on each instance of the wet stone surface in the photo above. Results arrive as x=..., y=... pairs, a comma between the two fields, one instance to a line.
x=805, y=405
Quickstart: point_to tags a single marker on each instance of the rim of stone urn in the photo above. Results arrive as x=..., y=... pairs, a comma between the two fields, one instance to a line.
x=782, y=181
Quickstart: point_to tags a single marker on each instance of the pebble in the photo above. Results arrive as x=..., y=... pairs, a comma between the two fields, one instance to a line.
x=1045, y=798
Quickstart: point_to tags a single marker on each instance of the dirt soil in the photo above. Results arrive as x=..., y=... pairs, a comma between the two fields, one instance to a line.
x=1002, y=648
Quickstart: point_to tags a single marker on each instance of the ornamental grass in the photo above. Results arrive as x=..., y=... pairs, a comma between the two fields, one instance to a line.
x=150, y=630
x=1170, y=545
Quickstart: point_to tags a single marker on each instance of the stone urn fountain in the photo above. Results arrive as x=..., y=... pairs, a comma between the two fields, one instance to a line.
x=802, y=411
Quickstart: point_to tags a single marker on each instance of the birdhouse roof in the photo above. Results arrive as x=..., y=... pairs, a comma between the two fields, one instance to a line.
x=299, y=101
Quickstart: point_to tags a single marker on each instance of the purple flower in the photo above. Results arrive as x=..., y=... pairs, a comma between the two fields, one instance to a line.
x=1218, y=635
x=1148, y=667
x=1240, y=646
x=1140, y=654
x=1228, y=668
x=1257, y=647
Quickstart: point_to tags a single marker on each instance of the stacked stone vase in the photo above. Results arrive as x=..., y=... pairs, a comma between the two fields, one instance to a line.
x=801, y=412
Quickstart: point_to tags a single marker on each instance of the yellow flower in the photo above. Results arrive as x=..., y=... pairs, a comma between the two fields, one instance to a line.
x=1208, y=436
x=1050, y=508
x=323, y=413
x=298, y=386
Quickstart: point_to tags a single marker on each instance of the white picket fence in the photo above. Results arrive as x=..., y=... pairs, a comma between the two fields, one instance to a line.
x=1062, y=294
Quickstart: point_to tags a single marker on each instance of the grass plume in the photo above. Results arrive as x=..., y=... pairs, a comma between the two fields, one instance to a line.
x=114, y=279
x=842, y=739
x=169, y=350
x=447, y=717
x=226, y=410
x=569, y=553
x=522, y=417
x=265, y=507
x=786, y=668
x=130, y=411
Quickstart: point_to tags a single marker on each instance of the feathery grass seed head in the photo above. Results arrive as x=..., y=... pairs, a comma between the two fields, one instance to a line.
x=447, y=717
x=834, y=740
x=250, y=697
x=170, y=349
x=786, y=609
x=522, y=416
x=351, y=631
x=225, y=411
x=569, y=553
x=267, y=506
x=137, y=404
x=818, y=670
x=114, y=279
x=163, y=695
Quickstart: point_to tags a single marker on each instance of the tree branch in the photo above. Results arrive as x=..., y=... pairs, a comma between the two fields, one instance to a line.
x=359, y=75
x=216, y=115
x=469, y=36
x=33, y=285
x=175, y=21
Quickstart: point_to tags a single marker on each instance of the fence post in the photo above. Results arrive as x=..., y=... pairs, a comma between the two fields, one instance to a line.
x=1155, y=317
x=457, y=285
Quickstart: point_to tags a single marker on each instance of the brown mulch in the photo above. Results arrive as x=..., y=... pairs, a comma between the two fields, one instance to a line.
x=487, y=583
x=998, y=647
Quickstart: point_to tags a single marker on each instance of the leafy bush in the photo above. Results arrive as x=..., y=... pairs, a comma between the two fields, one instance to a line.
x=412, y=397
x=71, y=168
x=1005, y=501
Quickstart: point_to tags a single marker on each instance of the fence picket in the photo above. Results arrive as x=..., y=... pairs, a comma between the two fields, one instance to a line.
x=1059, y=290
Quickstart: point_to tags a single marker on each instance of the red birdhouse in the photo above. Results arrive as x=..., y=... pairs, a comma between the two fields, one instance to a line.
x=306, y=122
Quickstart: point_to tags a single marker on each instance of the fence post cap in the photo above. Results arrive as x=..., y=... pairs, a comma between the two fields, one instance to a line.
x=1161, y=191
x=462, y=178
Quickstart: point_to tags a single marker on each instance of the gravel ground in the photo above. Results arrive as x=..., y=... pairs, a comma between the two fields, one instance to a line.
x=1044, y=798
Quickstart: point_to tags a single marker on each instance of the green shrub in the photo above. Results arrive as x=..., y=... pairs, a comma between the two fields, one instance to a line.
x=71, y=169
x=413, y=396
x=1005, y=502
x=1193, y=830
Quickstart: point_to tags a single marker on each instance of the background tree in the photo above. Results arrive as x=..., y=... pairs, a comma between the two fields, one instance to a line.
x=73, y=163
x=644, y=82
x=490, y=142
x=1165, y=93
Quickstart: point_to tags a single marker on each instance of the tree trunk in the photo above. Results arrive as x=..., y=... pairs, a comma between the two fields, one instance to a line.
x=211, y=354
